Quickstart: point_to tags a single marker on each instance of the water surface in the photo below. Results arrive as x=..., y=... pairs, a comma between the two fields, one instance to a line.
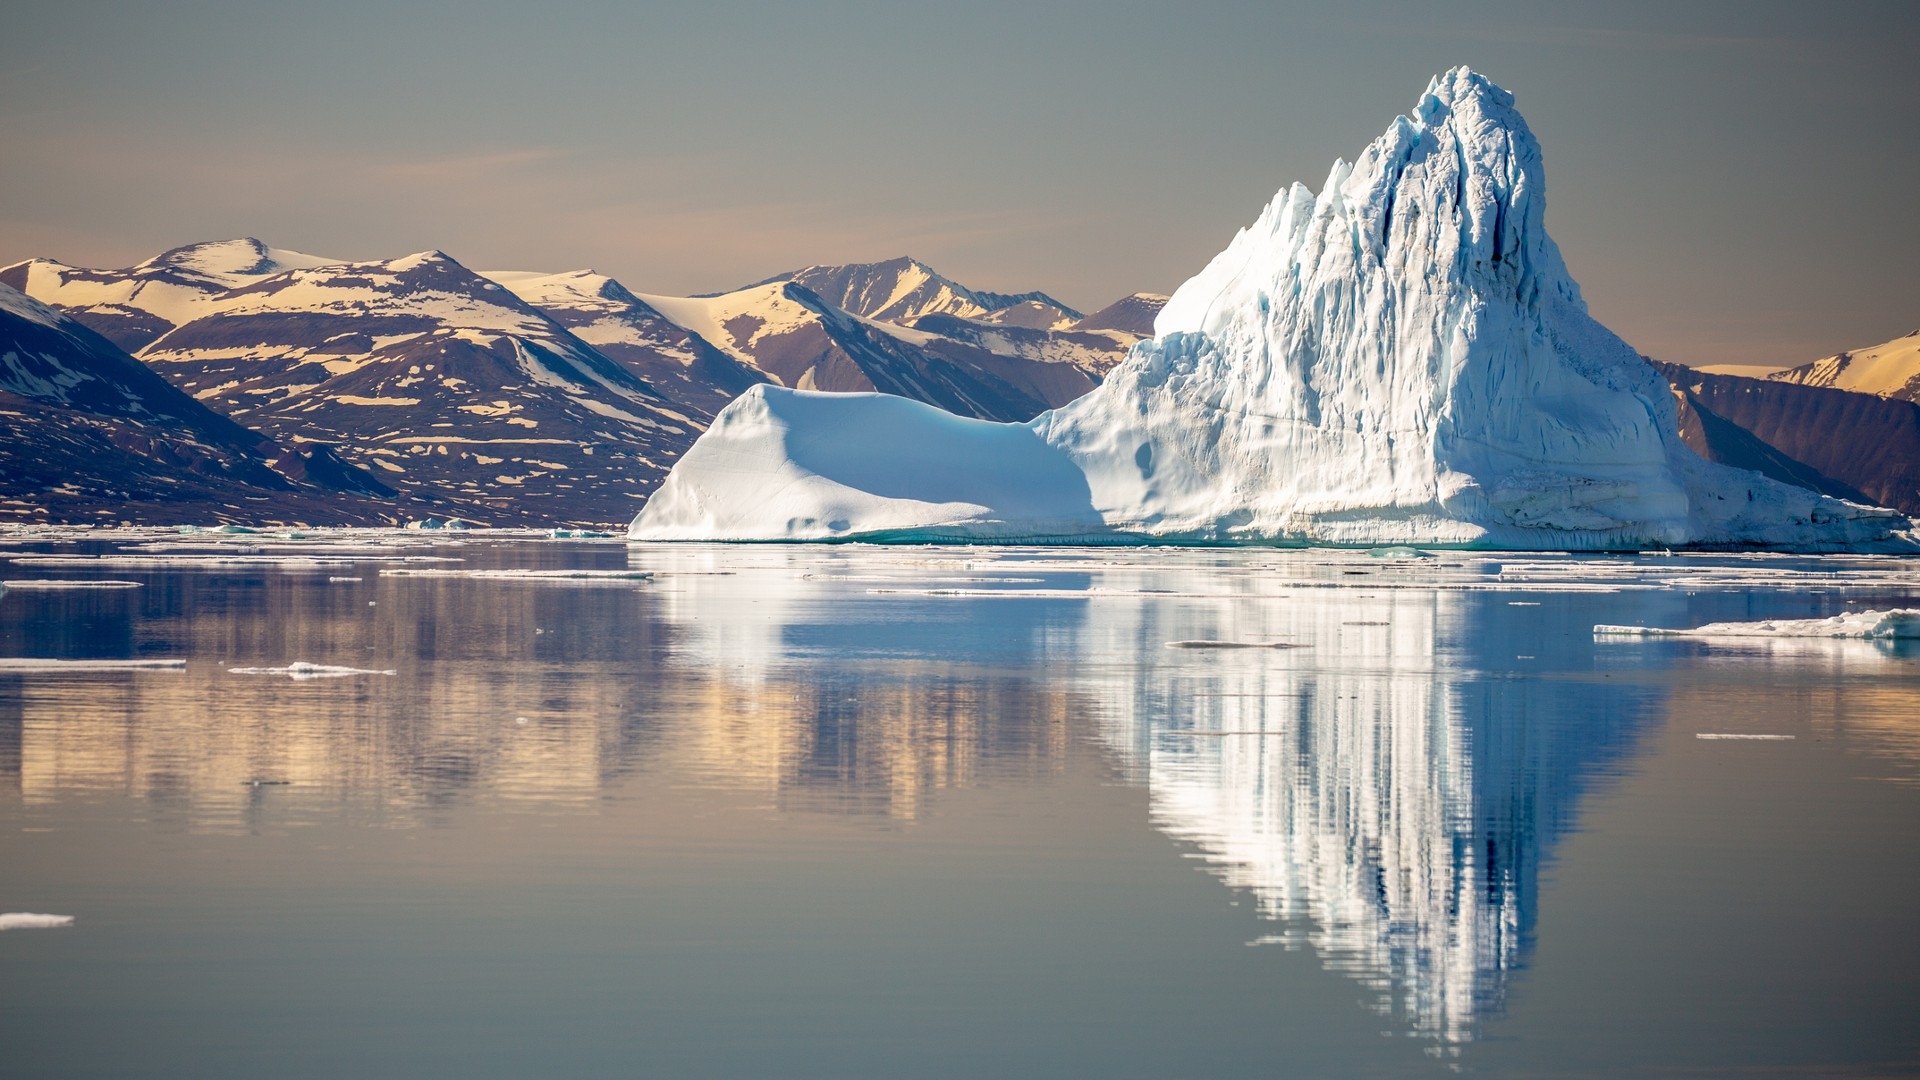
x=854, y=811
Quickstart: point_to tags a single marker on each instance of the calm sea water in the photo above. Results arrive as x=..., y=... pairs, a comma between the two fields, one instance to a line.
x=929, y=812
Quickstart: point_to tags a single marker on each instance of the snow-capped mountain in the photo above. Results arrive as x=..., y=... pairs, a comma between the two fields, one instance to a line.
x=1889, y=370
x=1130, y=315
x=1855, y=446
x=1071, y=350
x=904, y=289
x=445, y=384
x=93, y=434
x=798, y=339
x=973, y=326
x=570, y=391
x=132, y=307
x=1401, y=358
x=600, y=311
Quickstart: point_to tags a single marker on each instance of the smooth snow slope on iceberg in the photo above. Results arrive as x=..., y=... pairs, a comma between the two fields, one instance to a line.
x=781, y=464
x=1401, y=358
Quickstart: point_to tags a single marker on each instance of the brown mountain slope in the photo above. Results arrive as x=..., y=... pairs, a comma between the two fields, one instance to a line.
x=1868, y=444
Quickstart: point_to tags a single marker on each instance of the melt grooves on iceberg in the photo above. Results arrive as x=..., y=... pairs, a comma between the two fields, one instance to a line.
x=1402, y=358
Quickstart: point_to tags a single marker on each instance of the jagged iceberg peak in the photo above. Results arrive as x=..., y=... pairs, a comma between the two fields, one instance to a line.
x=1456, y=184
x=1401, y=358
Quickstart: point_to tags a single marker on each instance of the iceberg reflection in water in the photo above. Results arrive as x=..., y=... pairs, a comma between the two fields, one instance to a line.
x=1387, y=791
x=1382, y=799
x=1383, y=804
x=820, y=796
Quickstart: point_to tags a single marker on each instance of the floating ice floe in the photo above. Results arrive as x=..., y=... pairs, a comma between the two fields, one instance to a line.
x=185, y=562
x=1742, y=737
x=300, y=669
x=27, y=920
x=1233, y=645
x=17, y=664
x=525, y=575
x=49, y=585
x=1871, y=625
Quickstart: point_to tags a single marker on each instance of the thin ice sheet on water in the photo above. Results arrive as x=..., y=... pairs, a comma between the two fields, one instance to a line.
x=29, y=920
x=19, y=664
x=183, y=562
x=300, y=669
x=50, y=584
x=1208, y=644
x=1870, y=625
x=527, y=575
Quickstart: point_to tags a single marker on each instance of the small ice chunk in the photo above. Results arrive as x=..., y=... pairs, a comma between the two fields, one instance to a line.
x=38, y=584
x=1231, y=645
x=528, y=575
x=300, y=669
x=27, y=920
x=34, y=663
x=1872, y=625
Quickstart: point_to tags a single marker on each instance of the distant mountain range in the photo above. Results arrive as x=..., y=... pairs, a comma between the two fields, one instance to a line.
x=94, y=435
x=1837, y=442
x=234, y=381
x=511, y=397
x=1890, y=370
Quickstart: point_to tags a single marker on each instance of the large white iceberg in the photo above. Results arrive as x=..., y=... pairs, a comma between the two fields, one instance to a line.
x=1401, y=358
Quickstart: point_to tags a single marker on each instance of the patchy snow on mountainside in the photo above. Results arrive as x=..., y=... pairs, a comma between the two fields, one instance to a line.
x=131, y=307
x=797, y=339
x=1401, y=358
x=678, y=362
x=904, y=289
x=1131, y=315
x=446, y=384
x=92, y=434
x=1888, y=370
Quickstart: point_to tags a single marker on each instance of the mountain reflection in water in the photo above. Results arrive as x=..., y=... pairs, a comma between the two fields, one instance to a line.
x=1387, y=793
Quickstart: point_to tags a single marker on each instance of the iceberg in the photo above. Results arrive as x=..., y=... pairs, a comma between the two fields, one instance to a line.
x=1399, y=359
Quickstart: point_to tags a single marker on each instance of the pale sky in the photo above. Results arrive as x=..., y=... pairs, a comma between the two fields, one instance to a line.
x=1730, y=182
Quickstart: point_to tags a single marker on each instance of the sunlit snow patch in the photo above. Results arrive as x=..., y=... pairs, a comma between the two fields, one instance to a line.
x=1872, y=625
x=27, y=920
x=300, y=669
